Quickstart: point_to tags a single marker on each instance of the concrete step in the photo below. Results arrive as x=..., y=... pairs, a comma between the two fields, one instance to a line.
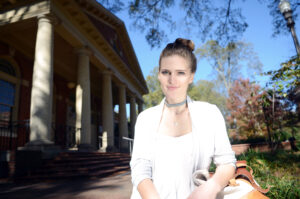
x=88, y=167
x=81, y=164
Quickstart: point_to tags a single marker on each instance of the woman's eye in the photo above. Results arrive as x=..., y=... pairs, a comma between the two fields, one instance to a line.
x=181, y=73
x=165, y=72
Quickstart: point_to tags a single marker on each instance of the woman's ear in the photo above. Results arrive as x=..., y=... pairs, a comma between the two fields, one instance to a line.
x=191, y=78
x=158, y=75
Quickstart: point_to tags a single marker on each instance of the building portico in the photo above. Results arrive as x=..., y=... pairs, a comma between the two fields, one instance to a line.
x=84, y=52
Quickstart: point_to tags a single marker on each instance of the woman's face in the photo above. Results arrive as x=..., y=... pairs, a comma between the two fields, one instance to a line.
x=175, y=76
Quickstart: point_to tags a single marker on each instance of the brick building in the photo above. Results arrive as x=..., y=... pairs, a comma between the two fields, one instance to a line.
x=65, y=65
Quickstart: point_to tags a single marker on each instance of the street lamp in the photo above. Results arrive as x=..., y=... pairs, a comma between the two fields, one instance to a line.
x=285, y=9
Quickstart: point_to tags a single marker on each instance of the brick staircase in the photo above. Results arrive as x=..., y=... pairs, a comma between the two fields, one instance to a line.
x=70, y=165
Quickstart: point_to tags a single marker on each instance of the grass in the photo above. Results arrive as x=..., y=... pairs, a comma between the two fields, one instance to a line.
x=279, y=170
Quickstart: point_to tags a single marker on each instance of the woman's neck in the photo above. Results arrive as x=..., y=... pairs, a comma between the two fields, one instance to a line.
x=177, y=110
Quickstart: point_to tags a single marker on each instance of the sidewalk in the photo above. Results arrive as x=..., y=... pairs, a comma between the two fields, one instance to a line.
x=116, y=187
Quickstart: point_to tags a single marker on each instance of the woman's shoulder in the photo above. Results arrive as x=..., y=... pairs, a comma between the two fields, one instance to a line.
x=204, y=108
x=149, y=112
x=203, y=105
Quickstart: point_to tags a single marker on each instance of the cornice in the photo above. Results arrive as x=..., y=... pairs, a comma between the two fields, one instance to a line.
x=73, y=12
x=23, y=12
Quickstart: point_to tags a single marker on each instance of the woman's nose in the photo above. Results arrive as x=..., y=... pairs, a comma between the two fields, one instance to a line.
x=171, y=78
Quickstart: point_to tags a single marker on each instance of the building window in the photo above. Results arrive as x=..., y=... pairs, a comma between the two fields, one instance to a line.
x=6, y=67
x=7, y=98
x=7, y=93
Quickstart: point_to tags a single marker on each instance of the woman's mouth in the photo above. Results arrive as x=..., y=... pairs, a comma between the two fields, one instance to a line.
x=171, y=87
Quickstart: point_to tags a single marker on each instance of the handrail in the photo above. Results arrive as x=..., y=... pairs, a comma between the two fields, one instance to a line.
x=130, y=143
x=119, y=140
x=127, y=138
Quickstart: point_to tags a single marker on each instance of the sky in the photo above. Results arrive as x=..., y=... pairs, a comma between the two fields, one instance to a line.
x=271, y=51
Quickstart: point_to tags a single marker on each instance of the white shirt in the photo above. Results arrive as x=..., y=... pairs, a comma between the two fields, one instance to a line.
x=173, y=166
x=209, y=141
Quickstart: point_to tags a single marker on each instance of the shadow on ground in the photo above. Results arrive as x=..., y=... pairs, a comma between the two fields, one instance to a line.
x=116, y=187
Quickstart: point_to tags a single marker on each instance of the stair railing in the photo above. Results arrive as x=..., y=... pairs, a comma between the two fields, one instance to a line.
x=121, y=144
x=13, y=134
x=130, y=141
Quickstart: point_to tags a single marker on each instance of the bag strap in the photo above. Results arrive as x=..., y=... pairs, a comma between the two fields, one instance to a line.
x=242, y=172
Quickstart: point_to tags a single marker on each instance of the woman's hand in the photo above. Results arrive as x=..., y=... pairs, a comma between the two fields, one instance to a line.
x=214, y=185
x=208, y=190
x=147, y=190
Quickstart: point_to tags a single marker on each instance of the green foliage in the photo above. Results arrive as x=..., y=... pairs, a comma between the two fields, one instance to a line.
x=279, y=170
x=287, y=78
x=155, y=94
x=279, y=116
x=206, y=91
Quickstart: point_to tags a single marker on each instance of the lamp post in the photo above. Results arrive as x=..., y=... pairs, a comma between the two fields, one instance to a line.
x=285, y=9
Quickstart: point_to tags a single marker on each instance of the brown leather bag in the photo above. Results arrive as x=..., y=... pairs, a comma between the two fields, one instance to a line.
x=245, y=173
x=242, y=186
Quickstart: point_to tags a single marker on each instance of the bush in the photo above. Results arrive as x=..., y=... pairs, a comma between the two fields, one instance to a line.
x=280, y=170
x=250, y=140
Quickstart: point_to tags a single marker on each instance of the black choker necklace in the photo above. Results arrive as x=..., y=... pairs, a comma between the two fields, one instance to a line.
x=174, y=105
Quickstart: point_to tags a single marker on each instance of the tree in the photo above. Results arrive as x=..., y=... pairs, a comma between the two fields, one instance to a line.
x=155, y=94
x=287, y=80
x=206, y=91
x=228, y=62
x=278, y=114
x=246, y=111
x=222, y=21
x=280, y=102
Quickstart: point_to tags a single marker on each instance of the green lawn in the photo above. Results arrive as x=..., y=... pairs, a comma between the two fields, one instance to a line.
x=279, y=170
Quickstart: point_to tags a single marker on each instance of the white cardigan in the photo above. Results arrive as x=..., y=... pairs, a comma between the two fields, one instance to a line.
x=210, y=142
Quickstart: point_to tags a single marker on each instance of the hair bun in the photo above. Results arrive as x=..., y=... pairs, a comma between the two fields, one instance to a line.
x=185, y=42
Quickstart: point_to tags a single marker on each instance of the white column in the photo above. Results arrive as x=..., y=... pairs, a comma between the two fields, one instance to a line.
x=132, y=114
x=107, y=113
x=83, y=98
x=42, y=83
x=123, y=127
x=140, y=106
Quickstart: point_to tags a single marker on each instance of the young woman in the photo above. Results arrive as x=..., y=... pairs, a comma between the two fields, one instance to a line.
x=179, y=136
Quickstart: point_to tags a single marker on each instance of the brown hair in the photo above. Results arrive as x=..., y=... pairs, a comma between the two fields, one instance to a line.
x=183, y=48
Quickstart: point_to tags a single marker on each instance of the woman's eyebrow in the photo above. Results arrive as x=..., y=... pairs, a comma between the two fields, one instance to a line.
x=181, y=70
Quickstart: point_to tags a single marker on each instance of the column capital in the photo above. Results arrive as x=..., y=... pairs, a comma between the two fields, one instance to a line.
x=121, y=85
x=138, y=100
x=133, y=95
x=52, y=18
x=107, y=72
x=83, y=51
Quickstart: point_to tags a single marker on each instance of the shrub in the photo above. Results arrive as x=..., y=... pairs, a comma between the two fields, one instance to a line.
x=280, y=170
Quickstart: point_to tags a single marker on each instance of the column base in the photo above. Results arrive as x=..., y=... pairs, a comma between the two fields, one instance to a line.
x=32, y=156
x=112, y=149
x=125, y=147
x=86, y=147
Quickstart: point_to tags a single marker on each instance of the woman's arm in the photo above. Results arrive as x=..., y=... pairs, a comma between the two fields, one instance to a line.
x=141, y=164
x=147, y=189
x=213, y=186
x=223, y=157
x=223, y=174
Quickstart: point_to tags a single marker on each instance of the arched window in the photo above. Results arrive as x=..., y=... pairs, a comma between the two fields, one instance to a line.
x=7, y=93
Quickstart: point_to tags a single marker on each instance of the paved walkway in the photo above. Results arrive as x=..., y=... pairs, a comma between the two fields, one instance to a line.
x=116, y=187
